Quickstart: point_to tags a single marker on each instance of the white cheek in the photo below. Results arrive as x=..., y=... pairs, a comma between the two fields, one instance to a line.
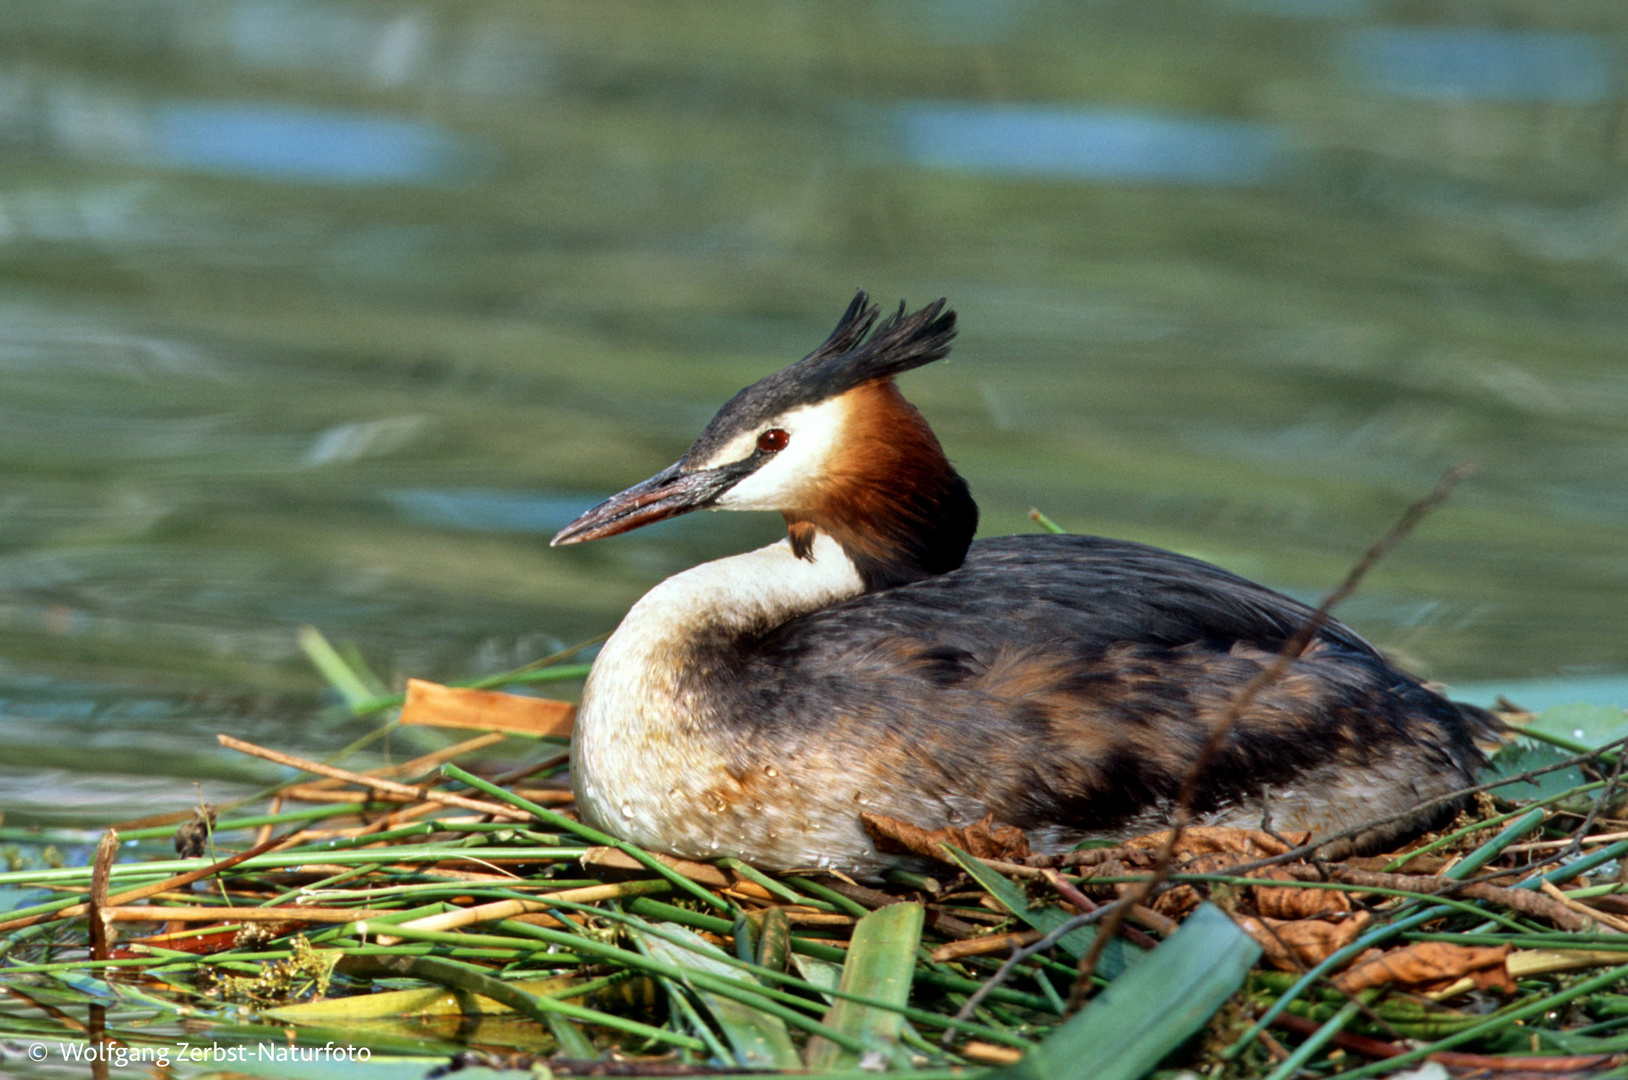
x=815, y=431
x=770, y=488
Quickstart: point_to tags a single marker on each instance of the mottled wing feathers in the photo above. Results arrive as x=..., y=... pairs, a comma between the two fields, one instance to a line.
x=1066, y=683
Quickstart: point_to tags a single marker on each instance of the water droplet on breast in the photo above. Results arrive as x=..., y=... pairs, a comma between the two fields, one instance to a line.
x=770, y=770
x=673, y=793
x=627, y=811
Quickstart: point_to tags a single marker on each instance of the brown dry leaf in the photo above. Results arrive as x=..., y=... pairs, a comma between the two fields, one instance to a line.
x=1278, y=902
x=1176, y=902
x=1218, y=839
x=982, y=838
x=485, y=710
x=1302, y=943
x=1496, y=978
x=1274, y=902
x=1423, y=962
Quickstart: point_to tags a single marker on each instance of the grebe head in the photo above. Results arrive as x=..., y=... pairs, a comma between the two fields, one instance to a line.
x=831, y=444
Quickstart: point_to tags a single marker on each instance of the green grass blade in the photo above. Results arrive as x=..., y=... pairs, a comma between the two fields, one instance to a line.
x=326, y=659
x=1045, y=522
x=358, y=664
x=758, y=1039
x=655, y=909
x=881, y=964
x=572, y=1041
x=1481, y=856
x=1114, y=958
x=1303, y=1053
x=1148, y=1011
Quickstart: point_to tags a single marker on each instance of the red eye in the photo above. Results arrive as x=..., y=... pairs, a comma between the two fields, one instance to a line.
x=773, y=441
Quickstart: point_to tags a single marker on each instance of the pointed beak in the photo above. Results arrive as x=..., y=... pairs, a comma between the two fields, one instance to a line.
x=667, y=494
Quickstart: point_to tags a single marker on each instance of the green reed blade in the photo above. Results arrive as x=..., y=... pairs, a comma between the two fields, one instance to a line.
x=1152, y=1008
x=758, y=1039
x=881, y=964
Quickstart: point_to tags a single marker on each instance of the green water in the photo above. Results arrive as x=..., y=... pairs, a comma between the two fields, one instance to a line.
x=331, y=312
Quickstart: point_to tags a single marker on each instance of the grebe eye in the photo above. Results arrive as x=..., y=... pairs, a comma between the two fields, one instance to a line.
x=773, y=441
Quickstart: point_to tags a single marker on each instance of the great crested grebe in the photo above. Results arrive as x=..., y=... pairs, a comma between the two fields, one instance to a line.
x=877, y=660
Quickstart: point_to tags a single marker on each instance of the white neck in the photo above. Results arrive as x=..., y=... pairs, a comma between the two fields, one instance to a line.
x=640, y=730
x=758, y=589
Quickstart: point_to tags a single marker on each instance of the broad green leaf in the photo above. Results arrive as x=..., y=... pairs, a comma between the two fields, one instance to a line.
x=1519, y=757
x=1157, y=1004
x=758, y=1039
x=881, y=964
x=1591, y=725
x=1047, y=918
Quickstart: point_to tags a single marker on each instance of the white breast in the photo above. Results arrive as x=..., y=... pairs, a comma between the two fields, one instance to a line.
x=644, y=758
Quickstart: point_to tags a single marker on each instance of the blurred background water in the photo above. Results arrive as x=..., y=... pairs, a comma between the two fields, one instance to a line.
x=329, y=312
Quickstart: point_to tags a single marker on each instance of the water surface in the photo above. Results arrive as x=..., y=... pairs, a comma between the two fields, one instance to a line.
x=330, y=313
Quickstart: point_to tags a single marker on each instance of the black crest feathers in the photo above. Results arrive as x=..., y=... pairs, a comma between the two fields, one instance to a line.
x=858, y=351
x=847, y=358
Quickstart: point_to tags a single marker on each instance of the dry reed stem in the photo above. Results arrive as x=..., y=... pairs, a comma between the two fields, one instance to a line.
x=503, y=909
x=1553, y=845
x=988, y=943
x=101, y=934
x=262, y=834
x=289, y=913
x=1551, y=890
x=557, y=796
x=609, y=858
x=421, y=764
x=984, y=1053
x=376, y=783
x=310, y=793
